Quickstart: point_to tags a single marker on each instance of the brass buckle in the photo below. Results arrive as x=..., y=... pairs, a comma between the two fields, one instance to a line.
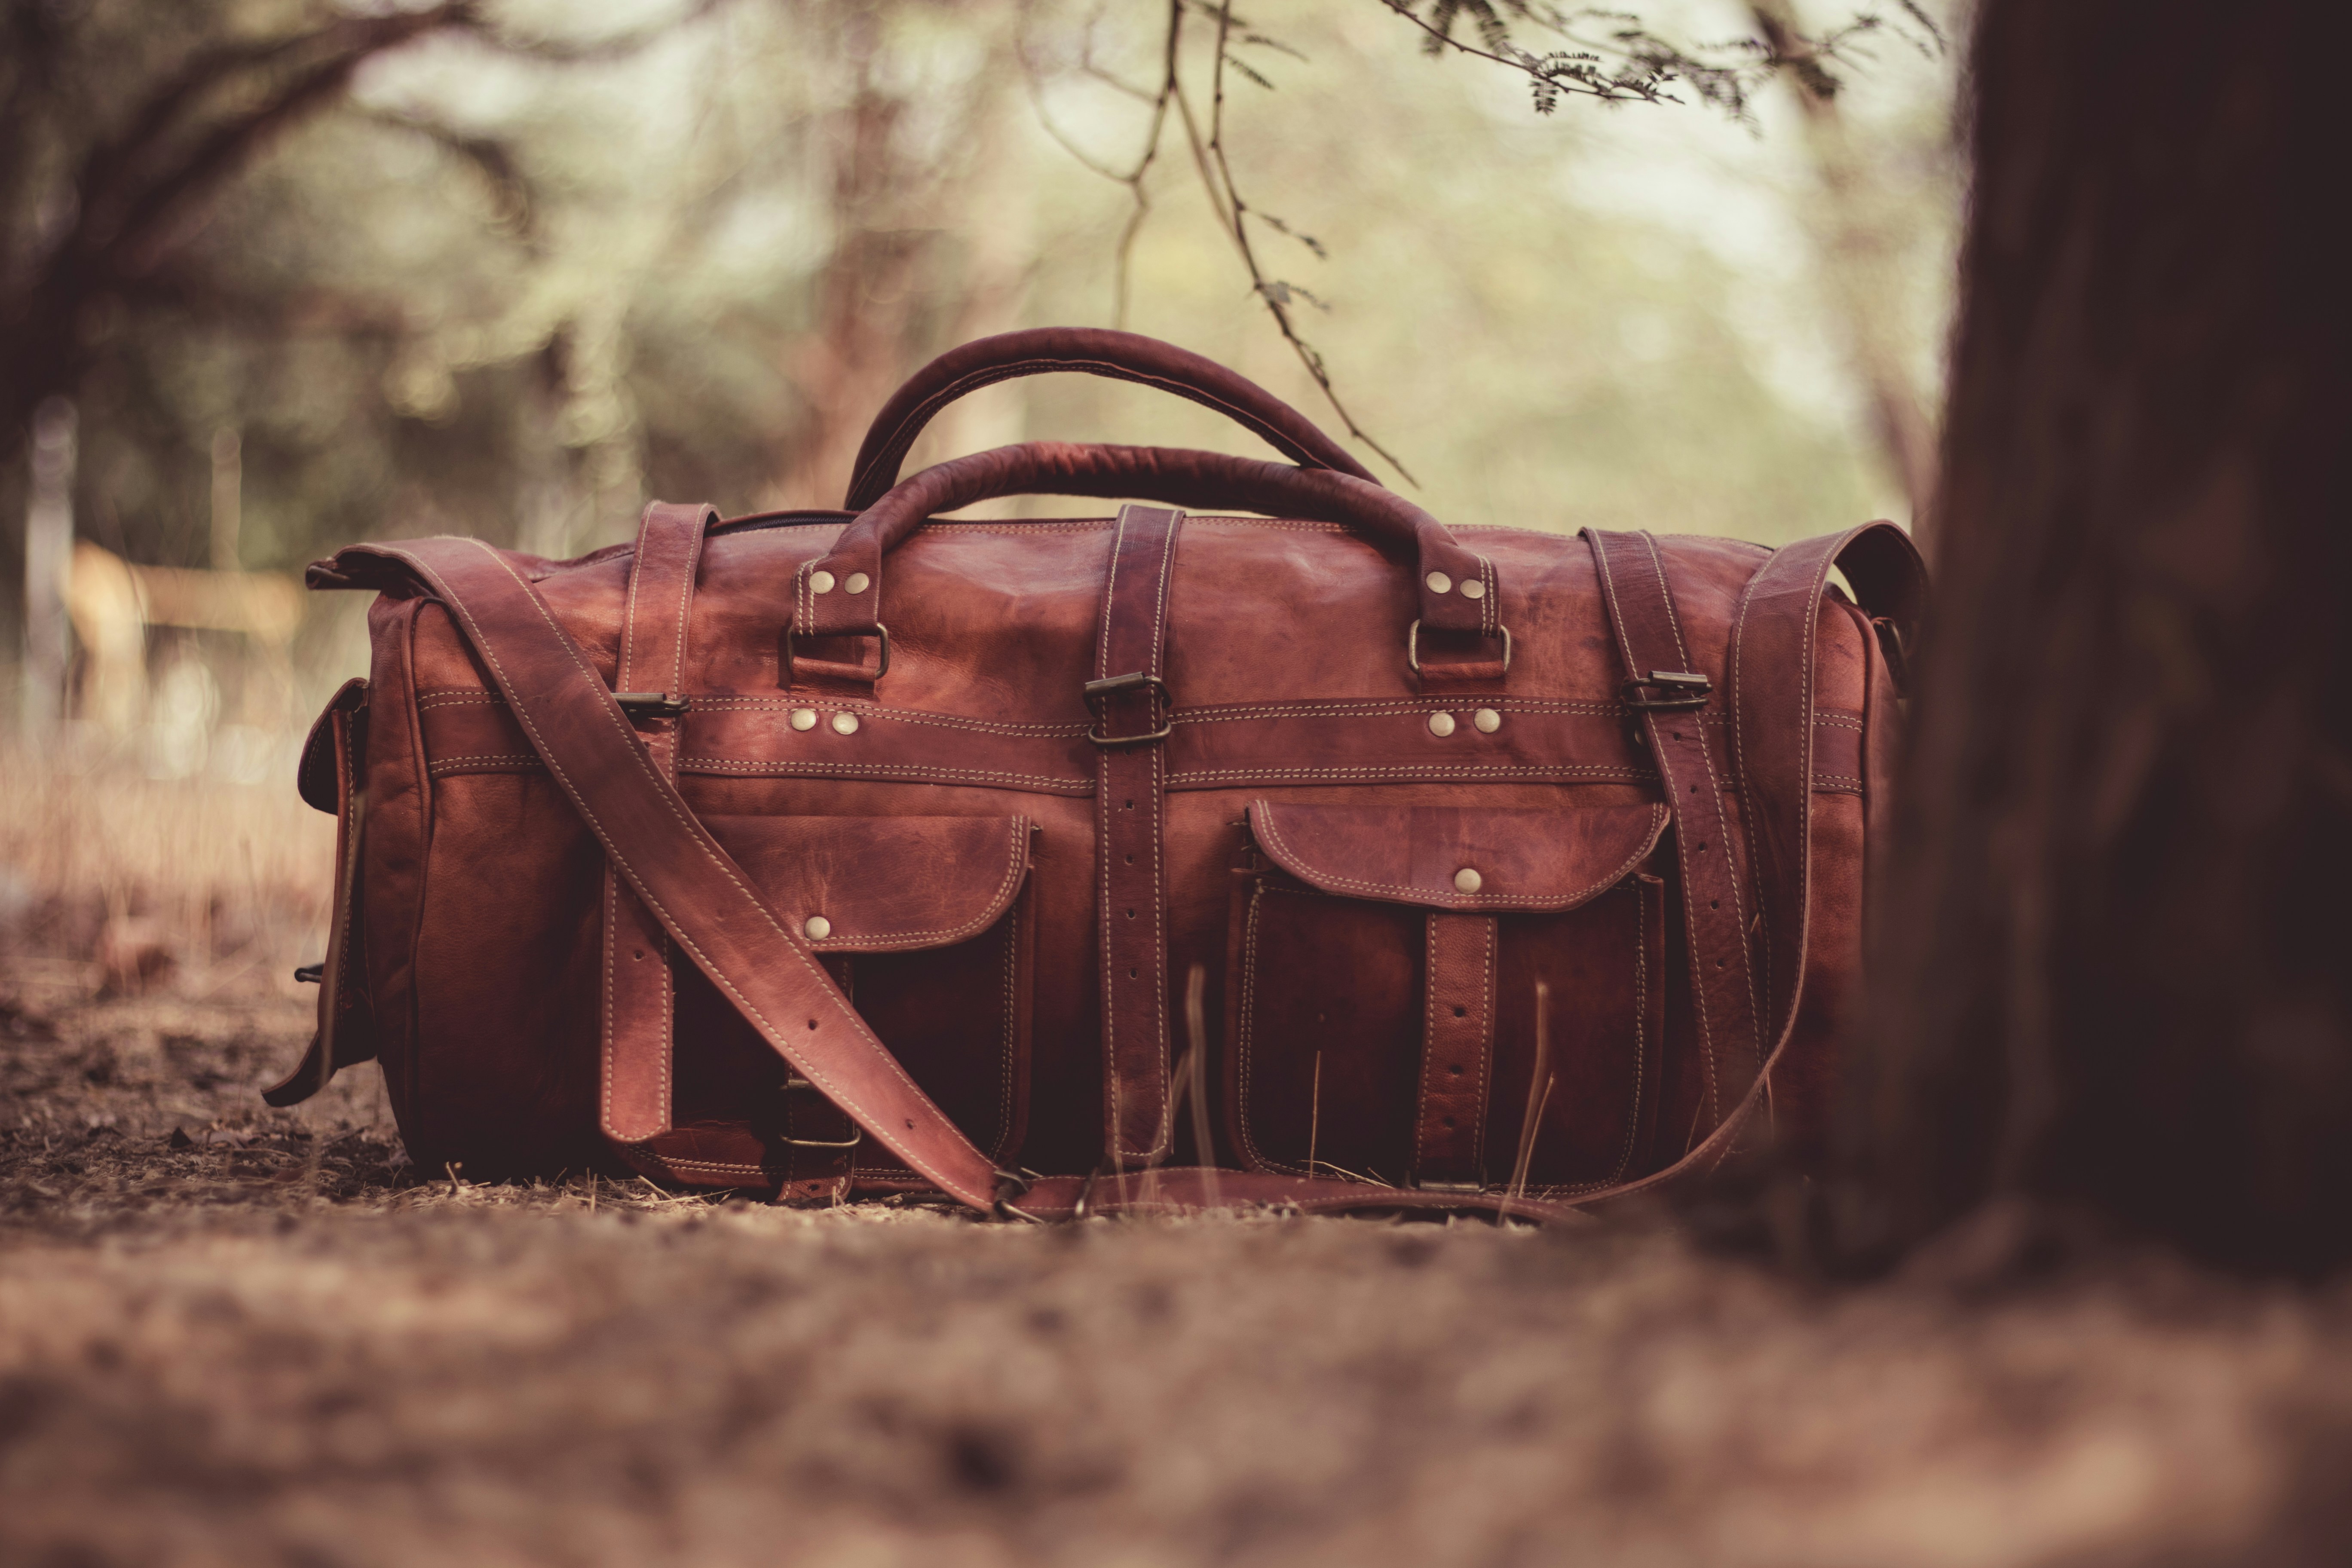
x=857, y=1133
x=650, y=704
x=1118, y=683
x=1677, y=688
x=880, y=669
x=1413, y=647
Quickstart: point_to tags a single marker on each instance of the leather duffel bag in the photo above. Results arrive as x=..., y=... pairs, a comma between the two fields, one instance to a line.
x=1327, y=857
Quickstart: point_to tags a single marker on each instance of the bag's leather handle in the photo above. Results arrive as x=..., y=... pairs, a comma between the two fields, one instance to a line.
x=1089, y=351
x=841, y=594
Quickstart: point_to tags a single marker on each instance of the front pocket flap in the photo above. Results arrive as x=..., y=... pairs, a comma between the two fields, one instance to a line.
x=1429, y=854
x=879, y=884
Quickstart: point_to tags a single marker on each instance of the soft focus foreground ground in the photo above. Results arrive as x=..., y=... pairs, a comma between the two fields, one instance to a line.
x=233, y=1335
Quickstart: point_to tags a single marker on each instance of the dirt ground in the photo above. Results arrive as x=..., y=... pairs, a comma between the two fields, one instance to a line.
x=235, y=1335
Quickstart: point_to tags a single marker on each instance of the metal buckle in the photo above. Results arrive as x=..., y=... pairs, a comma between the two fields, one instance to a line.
x=650, y=704
x=1413, y=647
x=1010, y=1185
x=857, y=1133
x=1117, y=683
x=1678, y=689
x=881, y=630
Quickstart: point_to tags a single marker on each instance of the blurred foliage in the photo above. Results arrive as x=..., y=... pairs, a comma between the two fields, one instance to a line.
x=522, y=267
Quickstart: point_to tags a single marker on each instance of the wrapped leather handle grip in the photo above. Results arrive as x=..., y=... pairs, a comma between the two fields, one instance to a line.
x=1090, y=351
x=841, y=594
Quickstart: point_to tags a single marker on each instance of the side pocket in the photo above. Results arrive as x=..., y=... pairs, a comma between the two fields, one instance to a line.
x=929, y=923
x=1382, y=1007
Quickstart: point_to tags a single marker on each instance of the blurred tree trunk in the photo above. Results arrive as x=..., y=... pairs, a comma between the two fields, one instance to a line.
x=2119, y=979
x=892, y=293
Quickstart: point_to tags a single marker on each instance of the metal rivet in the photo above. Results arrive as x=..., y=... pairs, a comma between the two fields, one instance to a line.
x=1439, y=582
x=821, y=583
x=1467, y=880
x=844, y=724
x=1441, y=724
x=818, y=928
x=1473, y=589
x=856, y=582
x=803, y=718
x=1488, y=721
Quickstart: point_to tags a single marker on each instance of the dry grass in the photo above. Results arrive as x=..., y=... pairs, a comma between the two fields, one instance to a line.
x=235, y=1335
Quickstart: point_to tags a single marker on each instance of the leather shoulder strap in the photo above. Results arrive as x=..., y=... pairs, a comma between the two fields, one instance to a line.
x=1664, y=687
x=1772, y=671
x=701, y=898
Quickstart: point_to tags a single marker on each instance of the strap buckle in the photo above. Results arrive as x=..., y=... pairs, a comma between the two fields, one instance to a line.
x=880, y=669
x=1413, y=647
x=1675, y=688
x=1010, y=1185
x=857, y=1133
x=651, y=704
x=1118, y=683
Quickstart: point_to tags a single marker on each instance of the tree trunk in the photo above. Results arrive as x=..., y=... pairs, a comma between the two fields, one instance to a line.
x=2117, y=977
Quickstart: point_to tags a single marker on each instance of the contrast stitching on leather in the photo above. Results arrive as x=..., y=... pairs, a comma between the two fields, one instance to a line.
x=870, y=710
x=816, y=1075
x=1608, y=580
x=1112, y=1136
x=1163, y=1136
x=1485, y=1051
x=1261, y=815
x=457, y=697
x=1371, y=708
x=882, y=770
x=1439, y=771
x=1640, y=1022
x=685, y=599
x=997, y=900
x=442, y=765
x=1428, y=1045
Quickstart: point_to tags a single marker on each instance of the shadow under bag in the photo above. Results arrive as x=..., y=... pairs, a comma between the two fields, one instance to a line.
x=1328, y=856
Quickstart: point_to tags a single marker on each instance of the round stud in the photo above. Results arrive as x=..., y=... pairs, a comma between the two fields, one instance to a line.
x=1473, y=589
x=817, y=928
x=844, y=724
x=1439, y=582
x=820, y=581
x=856, y=583
x=803, y=718
x=1488, y=721
x=1467, y=880
x=1440, y=724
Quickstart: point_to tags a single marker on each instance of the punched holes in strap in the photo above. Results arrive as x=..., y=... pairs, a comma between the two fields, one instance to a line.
x=1458, y=1051
x=1130, y=701
x=1661, y=689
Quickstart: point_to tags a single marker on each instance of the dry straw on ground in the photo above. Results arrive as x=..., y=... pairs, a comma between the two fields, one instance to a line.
x=235, y=1335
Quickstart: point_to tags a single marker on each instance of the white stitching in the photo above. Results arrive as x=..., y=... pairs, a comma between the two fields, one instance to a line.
x=1698, y=988
x=664, y=791
x=996, y=905
x=882, y=771
x=1262, y=814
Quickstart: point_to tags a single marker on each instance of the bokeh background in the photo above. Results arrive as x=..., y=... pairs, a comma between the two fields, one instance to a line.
x=514, y=278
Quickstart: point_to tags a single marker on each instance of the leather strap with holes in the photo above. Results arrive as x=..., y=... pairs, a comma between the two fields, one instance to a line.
x=1724, y=998
x=639, y=1000
x=1457, y=1049
x=1131, y=705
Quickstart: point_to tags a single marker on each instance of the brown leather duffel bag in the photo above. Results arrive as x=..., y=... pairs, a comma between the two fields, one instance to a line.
x=862, y=850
